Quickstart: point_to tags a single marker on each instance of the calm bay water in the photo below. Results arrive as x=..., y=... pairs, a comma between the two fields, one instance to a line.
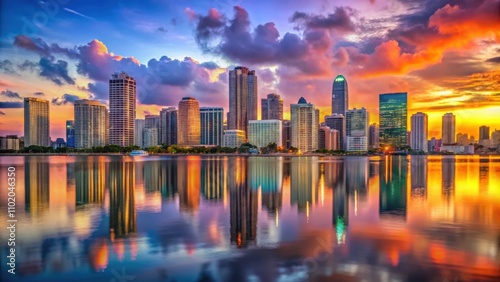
x=254, y=219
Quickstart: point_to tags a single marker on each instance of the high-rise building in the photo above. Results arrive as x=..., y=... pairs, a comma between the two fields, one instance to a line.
x=327, y=138
x=263, y=132
x=188, y=122
x=495, y=138
x=463, y=139
x=484, y=132
x=153, y=121
x=337, y=122
x=272, y=107
x=233, y=138
x=242, y=98
x=36, y=122
x=340, y=95
x=168, y=126
x=419, y=129
x=122, y=100
x=90, y=124
x=393, y=125
x=211, y=119
x=140, y=124
x=357, y=121
x=305, y=124
x=448, y=129
x=70, y=133
x=287, y=130
x=9, y=142
x=149, y=137
x=373, y=141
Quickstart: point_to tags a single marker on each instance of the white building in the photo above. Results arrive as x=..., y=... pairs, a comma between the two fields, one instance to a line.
x=233, y=138
x=149, y=137
x=419, y=129
x=357, y=122
x=328, y=138
x=305, y=125
x=263, y=132
x=140, y=124
x=122, y=104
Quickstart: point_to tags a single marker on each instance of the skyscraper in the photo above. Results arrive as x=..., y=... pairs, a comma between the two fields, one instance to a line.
x=328, y=138
x=139, y=127
x=90, y=124
x=373, y=141
x=36, y=122
x=242, y=98
x=484, y=133
x=122, y=96
x=149, y=137
x=357, y=121
x=462, y=139
x=168, y=126
x=305, y=124
x=152, y=122
x=211, y=125
x=70, y=133
x=188, y=122
x=340, y=95
x=337, y=122
x=393, y=119
x=448, y=129
x=286, y=131
x=419, y=125
x=272, y=107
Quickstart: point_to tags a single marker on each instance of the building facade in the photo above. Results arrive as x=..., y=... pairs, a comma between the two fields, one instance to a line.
x=328, y=138
x=90, y=124
x=122, y=105
x=9, y=142
x=305, y=124
x=168, y=126
x=149, y=137
x=188, y=122
x=272, y=107
x=36, y=122
x=393, y=120
x=233, y=138
x=140, y=124
x=242, y=98
x=263, y=132
x=337, y=122
x=463, y=139
x=212, y=120
x=373, y=141
x=340, y=95
x=448, y=129
x=153, y=121
x=70, y=133
x=357, y=121
x=484, y=133
x=286, y=128
x=419, y=132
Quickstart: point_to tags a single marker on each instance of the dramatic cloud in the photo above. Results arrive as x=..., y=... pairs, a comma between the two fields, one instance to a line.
x=340, y=20
x=39, y=94
x=65, y=99
x=55, y=72
x=11, y=105
x=38, y=46
x=10, y=94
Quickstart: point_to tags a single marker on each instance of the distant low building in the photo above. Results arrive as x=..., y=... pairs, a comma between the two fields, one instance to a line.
x=458, y=149
x=263, y=132
x=59, y=143
x=234, y=138
x=9, y=142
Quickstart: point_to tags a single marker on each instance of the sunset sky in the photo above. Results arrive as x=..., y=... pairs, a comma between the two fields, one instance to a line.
x=445, y=54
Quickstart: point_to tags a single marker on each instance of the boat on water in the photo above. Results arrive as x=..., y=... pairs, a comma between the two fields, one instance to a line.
x=138, y=153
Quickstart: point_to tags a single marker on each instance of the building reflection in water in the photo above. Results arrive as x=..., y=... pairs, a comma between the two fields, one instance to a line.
x=484, y=174
x=418, y=166
x=122, y=217
x=151, y=171
x=213, y=178
x=188, y=179
x=36, y=181
x=448, y=177
x=267, y=174
x=90, y=177
x=356, y=171
x=243, y=204
x=340, y=217
x=168, y=178
x=304, y=173
x=393, y=185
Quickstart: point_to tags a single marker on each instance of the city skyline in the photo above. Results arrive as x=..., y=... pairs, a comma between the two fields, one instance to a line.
x=49, y=60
